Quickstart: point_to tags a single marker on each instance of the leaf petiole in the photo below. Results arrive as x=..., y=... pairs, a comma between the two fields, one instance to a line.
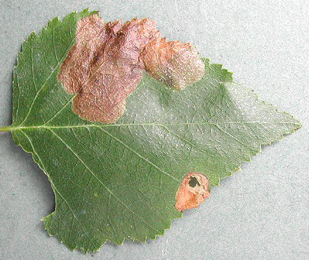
x=5, y=129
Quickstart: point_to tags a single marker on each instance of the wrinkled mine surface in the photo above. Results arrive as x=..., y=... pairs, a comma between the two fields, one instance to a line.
x=106, y=63
x=192, y=192
x=176, y=64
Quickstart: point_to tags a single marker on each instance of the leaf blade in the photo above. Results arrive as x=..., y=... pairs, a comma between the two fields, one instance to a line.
x=119, y=181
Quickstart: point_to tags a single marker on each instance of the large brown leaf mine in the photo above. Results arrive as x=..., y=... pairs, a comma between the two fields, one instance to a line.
x=106, y=64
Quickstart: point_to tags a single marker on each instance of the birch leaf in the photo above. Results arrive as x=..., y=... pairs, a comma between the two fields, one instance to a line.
x=119, y=181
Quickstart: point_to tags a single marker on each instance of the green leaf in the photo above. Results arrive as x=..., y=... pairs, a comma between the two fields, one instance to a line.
x=119, y=181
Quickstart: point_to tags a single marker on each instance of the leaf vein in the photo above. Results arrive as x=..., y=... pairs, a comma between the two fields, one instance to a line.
x=96, y=177
x=54, y=187
x=139, y=155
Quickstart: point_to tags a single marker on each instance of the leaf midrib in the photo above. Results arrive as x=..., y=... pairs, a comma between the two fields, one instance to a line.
x=38, y=127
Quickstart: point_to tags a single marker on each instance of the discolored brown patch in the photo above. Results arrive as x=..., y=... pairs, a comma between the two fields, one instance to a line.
x=192, y=192
x=103, y=67
x=176, y=64
x=106, y=63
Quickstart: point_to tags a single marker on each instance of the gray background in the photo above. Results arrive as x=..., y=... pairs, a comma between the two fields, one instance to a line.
x=261, y=212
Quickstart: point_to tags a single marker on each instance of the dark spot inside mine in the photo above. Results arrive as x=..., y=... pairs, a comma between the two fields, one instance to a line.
x=193, y=182
x=96, y=57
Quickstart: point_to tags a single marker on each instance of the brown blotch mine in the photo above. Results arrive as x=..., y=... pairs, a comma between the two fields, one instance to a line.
x=106, y=64
x=192, y=192
x=172, y=62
